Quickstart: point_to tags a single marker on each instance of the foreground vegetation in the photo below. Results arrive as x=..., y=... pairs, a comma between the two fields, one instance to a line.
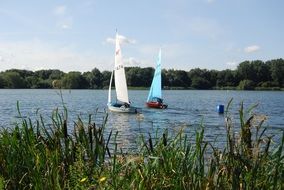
x=249, y=75
x=35, y=155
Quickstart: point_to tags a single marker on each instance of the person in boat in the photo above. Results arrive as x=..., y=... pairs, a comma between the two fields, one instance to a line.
x=159, y=100
x=126, y=105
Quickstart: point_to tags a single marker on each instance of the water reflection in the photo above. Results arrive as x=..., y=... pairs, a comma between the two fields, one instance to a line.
x=122, y=124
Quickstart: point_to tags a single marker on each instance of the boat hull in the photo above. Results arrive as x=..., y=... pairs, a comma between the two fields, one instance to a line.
x=156, y=105
x=122, y=108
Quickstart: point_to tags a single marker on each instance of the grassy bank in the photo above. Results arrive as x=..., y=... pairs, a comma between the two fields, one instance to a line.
x=34, y=155
x=256, y=88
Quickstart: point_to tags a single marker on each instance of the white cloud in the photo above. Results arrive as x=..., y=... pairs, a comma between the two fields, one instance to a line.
x=122, y=39
x=60, y=10
x=5, y=57
x=36, y=54
x=64, y=21
x=65, y=26
x=110, y=40
x=232, y=63
x=251, y=49
x=132, y=62
x=125, y=40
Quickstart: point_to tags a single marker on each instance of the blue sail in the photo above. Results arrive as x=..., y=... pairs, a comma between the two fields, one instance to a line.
x=156, y=86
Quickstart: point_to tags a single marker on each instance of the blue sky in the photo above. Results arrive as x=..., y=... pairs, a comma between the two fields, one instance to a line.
x=73, y=35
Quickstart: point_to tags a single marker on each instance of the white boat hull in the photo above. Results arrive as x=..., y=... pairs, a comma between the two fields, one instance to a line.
x=122, y=109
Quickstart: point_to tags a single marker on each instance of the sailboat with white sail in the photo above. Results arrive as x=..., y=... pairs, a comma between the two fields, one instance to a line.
x=122, y=103
x=155, y=99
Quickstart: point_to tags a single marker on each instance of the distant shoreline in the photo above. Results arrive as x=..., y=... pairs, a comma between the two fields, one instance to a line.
x=146, y=88
x=249, y=75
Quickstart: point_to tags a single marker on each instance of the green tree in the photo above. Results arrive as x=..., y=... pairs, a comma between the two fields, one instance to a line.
x=32, y=81
x=169, y=77
x=212, y=78
x=94, y=78
x=22, y=73
x=14, y=80
x=180, y=78
x=256, y=71
x=201, y=78
x=245, y=71
x=43, y=84
x=106, y=78
x=261, y=71
x=165, y=79
x=277, y=71
x=148, y=74
x=246, y=85
x=74, y=80
x=43, y=74
x=200, y=83
x=226, y=78
x=141, y=77
x=133, y=76
x=3, y=82
x=56, y=74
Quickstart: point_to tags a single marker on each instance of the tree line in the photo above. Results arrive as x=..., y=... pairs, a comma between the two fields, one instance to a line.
x=249, y=75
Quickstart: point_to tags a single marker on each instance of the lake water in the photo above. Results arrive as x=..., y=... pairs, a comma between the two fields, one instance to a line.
x=187, y=109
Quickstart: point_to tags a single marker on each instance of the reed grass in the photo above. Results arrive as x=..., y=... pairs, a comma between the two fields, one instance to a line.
x=34, y=155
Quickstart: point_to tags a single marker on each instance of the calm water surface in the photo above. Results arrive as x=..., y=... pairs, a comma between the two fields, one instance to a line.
x=187, y=109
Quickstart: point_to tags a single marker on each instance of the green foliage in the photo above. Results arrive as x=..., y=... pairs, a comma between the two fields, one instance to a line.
x=73, y=80
x=139, y=77
x=255, y=71
x=201, y=78
x=1, y=183
x=277, y=70
x=56, y=75
x=37, y=155
x=32, y=82
x=22, y=73
x=44, y=83
x=175, y=79
x=13, y=80
x=264, y=75
x=246, y=85
x=94, y=78
x=200, y=83
x=3, y=82
x=34, y=155
x=106, y=78
x=226, y=78
x=43, y=74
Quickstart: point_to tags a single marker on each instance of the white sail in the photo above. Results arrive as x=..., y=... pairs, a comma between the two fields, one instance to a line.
x=119, y=75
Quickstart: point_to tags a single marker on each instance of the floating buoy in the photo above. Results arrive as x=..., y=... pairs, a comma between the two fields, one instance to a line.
x=220, y=109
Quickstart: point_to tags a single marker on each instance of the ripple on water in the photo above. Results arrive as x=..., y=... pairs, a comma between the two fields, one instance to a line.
x=187, y=110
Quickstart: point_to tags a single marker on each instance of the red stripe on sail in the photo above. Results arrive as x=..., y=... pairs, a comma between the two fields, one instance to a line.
x=117, y=51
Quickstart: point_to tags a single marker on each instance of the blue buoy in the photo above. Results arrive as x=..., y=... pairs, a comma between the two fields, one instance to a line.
x=220, y=109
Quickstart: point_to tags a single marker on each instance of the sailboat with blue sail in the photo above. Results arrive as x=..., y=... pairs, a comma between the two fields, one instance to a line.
x=122, y=103
x=155, y=99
